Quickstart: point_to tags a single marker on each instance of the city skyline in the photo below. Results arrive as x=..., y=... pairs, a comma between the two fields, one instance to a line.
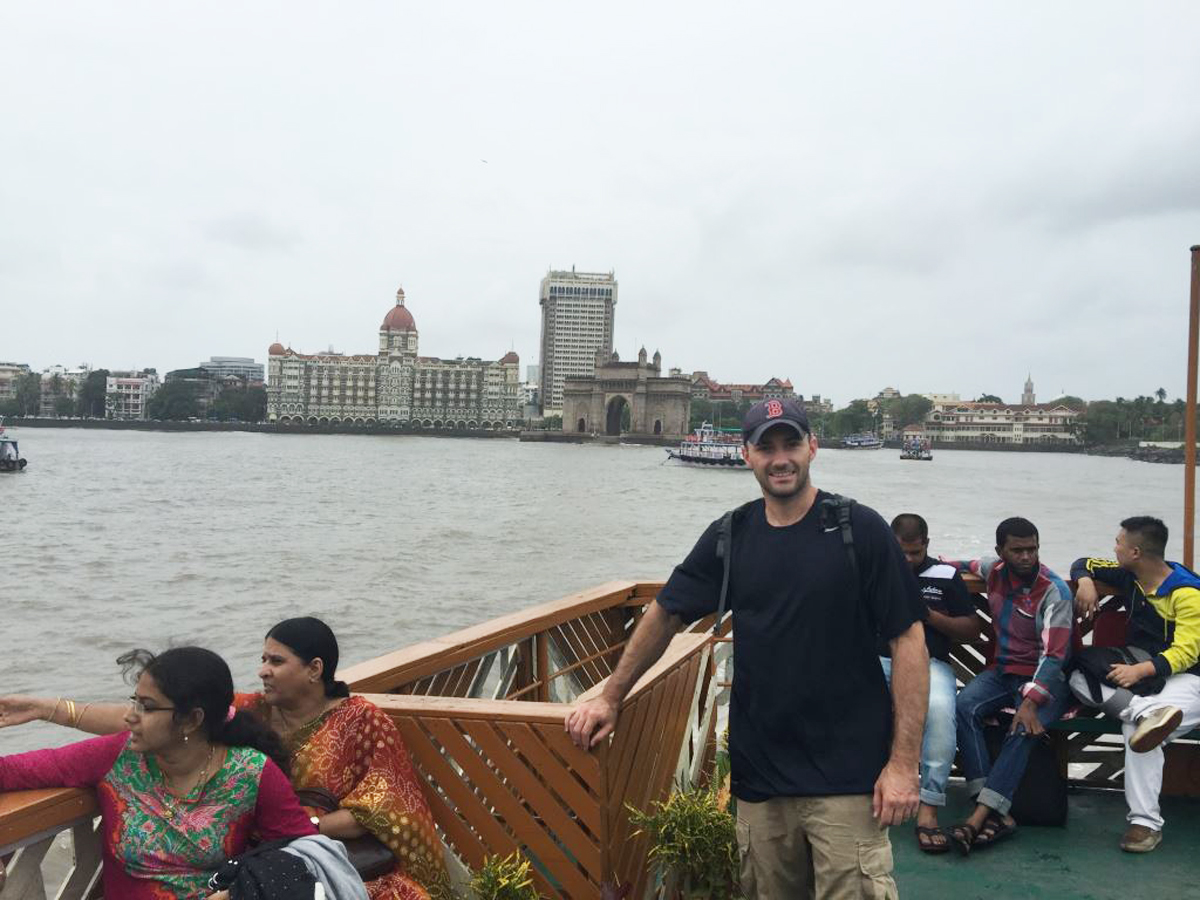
x=817, y=193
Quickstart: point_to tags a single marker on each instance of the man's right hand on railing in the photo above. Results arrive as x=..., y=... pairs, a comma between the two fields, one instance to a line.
x=591, y=722
x=1086, y=598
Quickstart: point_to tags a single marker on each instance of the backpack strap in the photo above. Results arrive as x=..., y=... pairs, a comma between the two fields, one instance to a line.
x=835, y=513
x=724, y=553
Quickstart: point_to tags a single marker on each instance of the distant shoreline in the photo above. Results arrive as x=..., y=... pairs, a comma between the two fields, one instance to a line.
x=1169, y=455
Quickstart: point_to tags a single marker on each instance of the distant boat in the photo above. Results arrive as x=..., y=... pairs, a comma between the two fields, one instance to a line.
x=916, y=449
x=10, y=453
x=861, y=442
x=709, y=447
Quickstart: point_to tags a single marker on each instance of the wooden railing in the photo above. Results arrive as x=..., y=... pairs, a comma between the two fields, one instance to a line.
x=482, y=713
x=30, y=822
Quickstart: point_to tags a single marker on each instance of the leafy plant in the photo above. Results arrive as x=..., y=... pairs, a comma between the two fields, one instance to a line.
x=504, y=878
x=694, y=843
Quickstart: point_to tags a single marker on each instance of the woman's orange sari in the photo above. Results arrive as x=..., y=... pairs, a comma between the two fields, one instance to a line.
x=355, y=753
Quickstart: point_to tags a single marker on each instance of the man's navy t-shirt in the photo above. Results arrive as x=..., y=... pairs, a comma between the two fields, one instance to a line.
x=811, y=714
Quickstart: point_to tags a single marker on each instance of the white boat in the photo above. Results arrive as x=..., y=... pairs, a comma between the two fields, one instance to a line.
x=709, y=447
x=10, y=454
x=861, y=442
x=916, y=449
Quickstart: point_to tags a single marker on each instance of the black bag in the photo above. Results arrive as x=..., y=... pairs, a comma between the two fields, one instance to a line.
x=265, y=873
x=1094, y=663
x=370, y=857
x=1041, y=797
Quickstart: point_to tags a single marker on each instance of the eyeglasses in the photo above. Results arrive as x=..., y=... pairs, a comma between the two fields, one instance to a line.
x=138, y=708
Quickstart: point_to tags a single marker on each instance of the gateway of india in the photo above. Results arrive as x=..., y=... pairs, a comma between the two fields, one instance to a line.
x=394, y=386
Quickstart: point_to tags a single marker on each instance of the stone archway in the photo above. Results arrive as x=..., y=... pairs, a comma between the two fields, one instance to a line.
x=581, y=425
x=618, y=410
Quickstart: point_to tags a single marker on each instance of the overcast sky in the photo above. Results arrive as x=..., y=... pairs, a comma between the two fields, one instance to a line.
x=934, y=196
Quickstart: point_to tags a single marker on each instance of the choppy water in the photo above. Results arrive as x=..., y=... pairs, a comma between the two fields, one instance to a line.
x=122, y=539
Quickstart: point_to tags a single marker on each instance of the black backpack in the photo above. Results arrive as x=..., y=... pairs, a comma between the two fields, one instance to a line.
x=835, y=513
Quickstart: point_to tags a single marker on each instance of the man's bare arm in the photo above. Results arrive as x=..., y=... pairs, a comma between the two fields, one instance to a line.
x=896, y=795
x=593, y=720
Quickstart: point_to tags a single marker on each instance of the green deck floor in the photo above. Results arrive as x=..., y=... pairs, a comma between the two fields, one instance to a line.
x=1079, y=862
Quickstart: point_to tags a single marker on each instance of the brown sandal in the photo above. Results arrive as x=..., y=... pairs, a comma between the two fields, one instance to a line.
x=962, y=836
x=994, y=830
x=929, y=846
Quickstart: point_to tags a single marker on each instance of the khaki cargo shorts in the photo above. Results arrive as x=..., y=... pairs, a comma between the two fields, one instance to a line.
x=821, y=848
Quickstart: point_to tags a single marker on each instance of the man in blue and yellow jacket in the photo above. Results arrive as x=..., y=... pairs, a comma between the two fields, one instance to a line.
x=1163, y=603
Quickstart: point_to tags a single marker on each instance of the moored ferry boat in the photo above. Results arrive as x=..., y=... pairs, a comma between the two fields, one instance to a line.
x=10, y=454
x=709, y=447
x=861, y=442
x=917, y=449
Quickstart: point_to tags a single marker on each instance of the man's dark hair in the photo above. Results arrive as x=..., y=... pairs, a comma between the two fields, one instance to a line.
x=910, y=527
x=1014, y=527
x=1149, y=533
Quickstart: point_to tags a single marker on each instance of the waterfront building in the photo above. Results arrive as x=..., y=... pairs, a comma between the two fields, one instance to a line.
x=942, y=398
x=60, y=387
x=393, y=385
x=1002, y=423
x=127, y=393
x=577, y=324
x=636, y=391
x=10, y=374
x=242, y=367
x=705, y=388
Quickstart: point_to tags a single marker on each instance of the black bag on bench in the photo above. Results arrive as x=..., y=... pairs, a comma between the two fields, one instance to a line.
x=1041, y=797
x=1094, y=663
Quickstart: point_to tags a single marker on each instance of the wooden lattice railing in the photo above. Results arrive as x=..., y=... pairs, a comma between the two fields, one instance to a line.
x=30, y=823
x=482, y=713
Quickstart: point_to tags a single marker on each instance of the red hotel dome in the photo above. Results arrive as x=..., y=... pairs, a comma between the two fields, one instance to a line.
x=398, y=317
x=276, y=349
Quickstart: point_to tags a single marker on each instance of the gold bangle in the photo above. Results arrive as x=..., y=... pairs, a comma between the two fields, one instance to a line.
x=71, y=713
x=54, y=712
x=79, y=720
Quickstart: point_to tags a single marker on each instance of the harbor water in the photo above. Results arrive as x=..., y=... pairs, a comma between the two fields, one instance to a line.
x=117, y=539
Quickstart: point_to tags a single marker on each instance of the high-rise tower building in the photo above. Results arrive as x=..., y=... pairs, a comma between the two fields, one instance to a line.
x=577, y=321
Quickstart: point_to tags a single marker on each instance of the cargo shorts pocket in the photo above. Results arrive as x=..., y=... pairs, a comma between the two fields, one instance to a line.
x=875, y=870
x=759, y=844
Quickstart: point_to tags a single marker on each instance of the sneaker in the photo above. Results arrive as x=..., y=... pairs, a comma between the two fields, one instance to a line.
x=1154, y=728
x=1140, y=839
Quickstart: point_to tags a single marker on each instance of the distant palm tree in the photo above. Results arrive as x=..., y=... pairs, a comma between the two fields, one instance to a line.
x=1161, y=394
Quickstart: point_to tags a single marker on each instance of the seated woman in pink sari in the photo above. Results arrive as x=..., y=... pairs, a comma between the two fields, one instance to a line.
x=347, y=747
x=183, y=789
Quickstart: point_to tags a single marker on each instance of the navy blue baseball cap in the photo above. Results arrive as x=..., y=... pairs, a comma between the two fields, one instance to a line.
x=770, y=413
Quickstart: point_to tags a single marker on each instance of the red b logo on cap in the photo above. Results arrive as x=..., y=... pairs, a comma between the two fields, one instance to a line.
x=774, y=409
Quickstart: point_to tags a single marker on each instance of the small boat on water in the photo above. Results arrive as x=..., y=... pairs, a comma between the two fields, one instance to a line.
x=709, y=447
x=10, y=454
x=916, y=449
x=861, y=442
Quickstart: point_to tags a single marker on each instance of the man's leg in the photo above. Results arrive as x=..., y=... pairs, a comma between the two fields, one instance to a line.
x=851, y=853
x=1112, y=700
x=937, y=747
x=1143, y=771
x=1010, y=763
x=983, y=695
x=774, y=851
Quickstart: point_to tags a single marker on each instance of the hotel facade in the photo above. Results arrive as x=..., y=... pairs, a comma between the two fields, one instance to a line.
x=393, y=386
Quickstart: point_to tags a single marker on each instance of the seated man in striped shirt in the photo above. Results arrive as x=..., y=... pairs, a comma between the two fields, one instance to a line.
x=1032, y=620
x=949, y=617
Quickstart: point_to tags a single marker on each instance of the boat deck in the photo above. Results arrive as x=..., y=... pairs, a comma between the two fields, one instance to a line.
x=1079, y=862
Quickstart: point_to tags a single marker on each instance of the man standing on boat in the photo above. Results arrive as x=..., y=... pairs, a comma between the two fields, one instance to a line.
x=1163, y=602
x=949, y=617
x=821, y=762
x=1032, y=618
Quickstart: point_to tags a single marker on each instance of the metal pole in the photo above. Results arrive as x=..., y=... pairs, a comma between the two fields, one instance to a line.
x=1189, y=434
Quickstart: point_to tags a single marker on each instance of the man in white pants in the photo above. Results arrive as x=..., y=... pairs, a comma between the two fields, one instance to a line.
x=1163, y=632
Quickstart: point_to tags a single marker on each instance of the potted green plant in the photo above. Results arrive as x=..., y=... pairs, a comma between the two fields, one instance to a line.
x=504, y=878
x=694, y=846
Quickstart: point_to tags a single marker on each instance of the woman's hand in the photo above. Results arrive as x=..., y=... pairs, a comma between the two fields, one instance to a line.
x=219, y=895
x=17, y=710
